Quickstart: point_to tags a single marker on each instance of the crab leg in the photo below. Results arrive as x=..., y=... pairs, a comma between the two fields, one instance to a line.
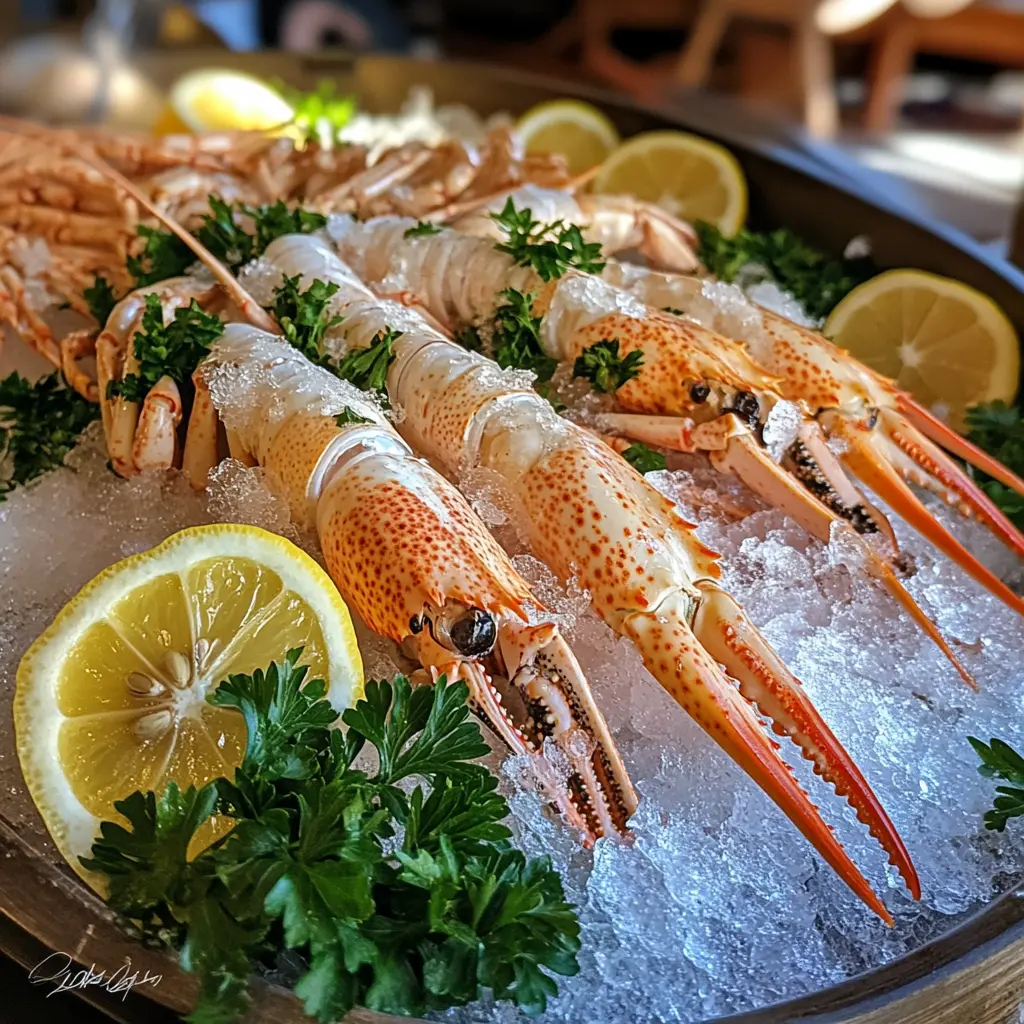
x=411, y=557
x=592, y=517
x=73, y=347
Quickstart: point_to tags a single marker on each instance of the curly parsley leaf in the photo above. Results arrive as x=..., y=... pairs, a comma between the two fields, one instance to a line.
x=1000, y=761
x=220, y=233
x=173, y=350
x=241, y=233
x=318, y=114
x=445, y=737
x=304, y=316
x=100, y=298
x=285, y=718
x=550, y=249
x=603, y=367
x=422, y=229
x=312, y=866
x=146, y=864
x=818, y=282
x=644, y=459
x=348, y=418
x=516, y=338
x=164, y=255
x=998, y=428
x=367, y=368
x=40, y=422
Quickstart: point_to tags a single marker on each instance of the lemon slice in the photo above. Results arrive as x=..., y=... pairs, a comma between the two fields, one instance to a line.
x=947, y=344
x=686, y=175
x=580, y=132
x=111, y=697
x=215, y=99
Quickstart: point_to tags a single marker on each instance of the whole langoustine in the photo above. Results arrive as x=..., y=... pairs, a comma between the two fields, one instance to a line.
x=592, y=517
x=413, y=560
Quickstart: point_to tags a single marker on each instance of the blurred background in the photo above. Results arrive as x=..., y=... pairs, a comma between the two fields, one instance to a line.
x=931, y=91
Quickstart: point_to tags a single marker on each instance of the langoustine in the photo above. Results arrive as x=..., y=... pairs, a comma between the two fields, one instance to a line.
x=884, y=437
x=702, y=391
x=592, y=517
x=412, y=559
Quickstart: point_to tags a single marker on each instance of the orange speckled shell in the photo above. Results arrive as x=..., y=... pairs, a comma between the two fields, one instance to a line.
x=293, y=456
x=593, y=516
x=442, y=391
x=396, y=535
x=676, y=353
x=814, y=370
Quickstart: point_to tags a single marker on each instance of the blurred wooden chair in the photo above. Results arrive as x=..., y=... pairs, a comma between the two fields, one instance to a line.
x=812, y=52
x=977, y=30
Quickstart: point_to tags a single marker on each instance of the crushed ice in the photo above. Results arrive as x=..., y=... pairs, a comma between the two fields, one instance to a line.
x=719, y=906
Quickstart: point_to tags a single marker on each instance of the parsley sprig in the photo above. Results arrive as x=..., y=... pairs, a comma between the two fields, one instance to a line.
x=815, y=280
x=39, y=424
x=1000, y=761
x=643, y=458
x=367, y=368
x=235, y=244
x=516, y=341
x=601, y=364
x=422, y=229
x=164, y=255
x=550, y=249
x=101, y=300
x=174, y=349
x=319, y=114
x=304, y=316
x=404, y=899
x=999, y=429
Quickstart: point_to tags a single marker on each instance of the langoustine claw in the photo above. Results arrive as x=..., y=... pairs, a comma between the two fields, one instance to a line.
x=592, y=517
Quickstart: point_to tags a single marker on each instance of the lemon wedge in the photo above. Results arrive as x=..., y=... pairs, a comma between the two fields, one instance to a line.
x=947, y=344
x=684, y=174
x=578, y=131
x=112, y=697
x=216, y=99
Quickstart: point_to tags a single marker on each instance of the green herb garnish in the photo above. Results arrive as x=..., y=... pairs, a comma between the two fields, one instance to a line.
x=165, y=255
x=39, y=424
x=319, y=114
x=422, y=229
x=367, y=368
x=304, y=318
x=517, y=336
x=101, y=300
x=551, y=249
x=644, y=459
x=347, y=418
x=236, y=246
x=1000, y=761
x=815, y=280
x=469, y=338
x=999, y=429
x=173, y=350
x=312, y=864
x=602, y=366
